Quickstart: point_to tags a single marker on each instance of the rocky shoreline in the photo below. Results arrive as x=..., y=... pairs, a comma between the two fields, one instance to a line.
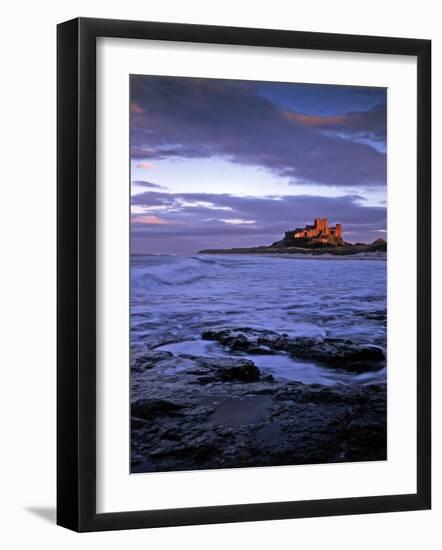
x=196, y=412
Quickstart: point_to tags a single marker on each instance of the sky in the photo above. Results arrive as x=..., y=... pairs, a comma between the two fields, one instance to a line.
x=233, y=163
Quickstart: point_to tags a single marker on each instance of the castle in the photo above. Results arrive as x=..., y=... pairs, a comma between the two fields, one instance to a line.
x=320, y=231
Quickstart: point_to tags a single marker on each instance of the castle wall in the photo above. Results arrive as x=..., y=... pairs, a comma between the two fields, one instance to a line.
x=320, y=230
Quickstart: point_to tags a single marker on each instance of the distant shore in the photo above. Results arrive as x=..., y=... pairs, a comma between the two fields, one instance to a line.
x=361, y=256
x=376, y=251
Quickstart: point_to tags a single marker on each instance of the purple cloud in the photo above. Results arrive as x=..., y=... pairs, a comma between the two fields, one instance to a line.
x=187, y=222
x=200, y=118
x=148, y=184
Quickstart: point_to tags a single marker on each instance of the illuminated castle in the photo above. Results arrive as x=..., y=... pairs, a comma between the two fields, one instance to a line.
x=319, y=231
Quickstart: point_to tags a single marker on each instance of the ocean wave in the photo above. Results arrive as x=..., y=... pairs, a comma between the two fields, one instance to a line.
x=315, y=299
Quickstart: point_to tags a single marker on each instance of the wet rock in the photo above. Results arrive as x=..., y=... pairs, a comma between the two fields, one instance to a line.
x=204, y=380
x=211, y=369
x=136, y=422
x=150, y=359
x=210, y=364
x=148, y=408
x=242, y=339
x=319, y=394
x=193, y=413
x=341, y=354
x=333, y=352
x=244, y=373
x=171, y=434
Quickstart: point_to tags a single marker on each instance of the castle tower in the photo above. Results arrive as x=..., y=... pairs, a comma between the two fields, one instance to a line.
x=321, y=225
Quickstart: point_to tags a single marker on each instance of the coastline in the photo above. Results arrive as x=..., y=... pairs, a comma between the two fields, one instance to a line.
x=376, y=249
x=362, y=256
x=367, y=256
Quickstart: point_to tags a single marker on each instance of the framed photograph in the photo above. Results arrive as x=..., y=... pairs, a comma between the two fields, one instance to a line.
x=236, y=339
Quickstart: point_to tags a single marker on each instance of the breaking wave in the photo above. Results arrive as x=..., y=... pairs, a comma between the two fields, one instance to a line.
x=176, y=298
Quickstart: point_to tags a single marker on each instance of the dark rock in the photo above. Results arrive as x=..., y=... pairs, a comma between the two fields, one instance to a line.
x=196, y=413
x=341, y=354
x=379, y=245
x=150, y=359
x=148, y=408
x=263, y=390
x=203, y=380
x=171, y=434
x=212, y=369
x=137, y=422
x=210, y=364
x=245, y=339
x=244, y=373
x=337, y=353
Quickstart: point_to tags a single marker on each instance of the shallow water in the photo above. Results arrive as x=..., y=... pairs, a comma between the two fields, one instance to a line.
x=175, y=298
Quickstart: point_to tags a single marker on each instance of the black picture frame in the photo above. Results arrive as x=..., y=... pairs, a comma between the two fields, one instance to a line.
x=77, y=287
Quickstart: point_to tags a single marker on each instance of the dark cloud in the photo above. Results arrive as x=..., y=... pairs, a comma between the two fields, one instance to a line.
x=200, y=118
x=148, y=184
x=371, y=124
x=187, y=222
x=322, y=99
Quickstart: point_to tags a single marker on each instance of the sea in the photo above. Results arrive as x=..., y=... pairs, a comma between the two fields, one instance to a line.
x=174, y=299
